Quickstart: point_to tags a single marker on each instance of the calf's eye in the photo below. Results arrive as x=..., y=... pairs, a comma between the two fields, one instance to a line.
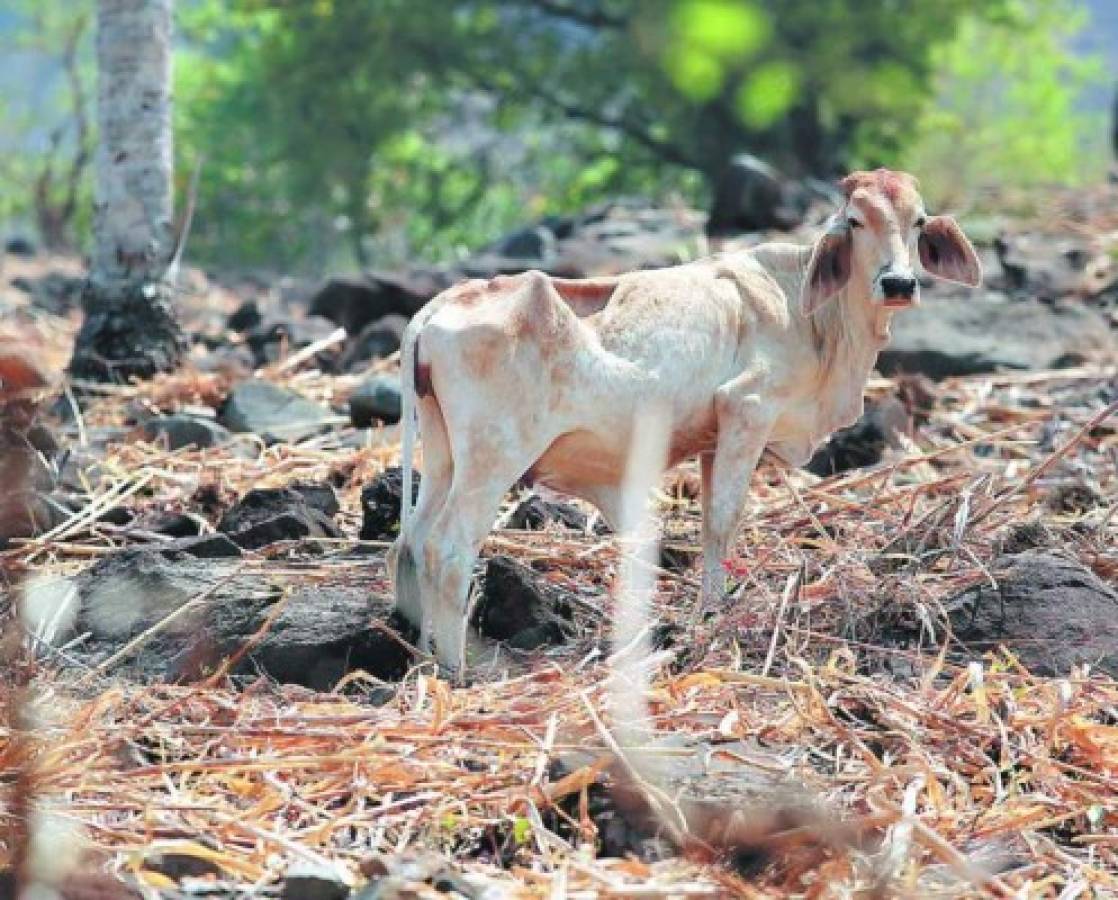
x=921, y=222
x=853, y=223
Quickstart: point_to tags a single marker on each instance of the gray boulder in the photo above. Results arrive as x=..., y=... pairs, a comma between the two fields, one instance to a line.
x=376, y=399
x=181, y=430
x=1050, y=611
x=973, y=333
x=274, y=413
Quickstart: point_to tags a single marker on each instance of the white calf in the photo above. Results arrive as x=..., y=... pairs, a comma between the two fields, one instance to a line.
x=542, y=377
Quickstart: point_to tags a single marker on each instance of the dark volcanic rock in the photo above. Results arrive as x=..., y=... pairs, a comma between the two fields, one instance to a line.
x=536, y=243
x=513, y=607
x=54, y=292
x=377, y=398
x=172, y=524
x=182, y=430
x=535, y=514
x=203, y=546
x=317, y=636
x=321, y=634
x=380, y=505
x=266, y=515
x=269, y=339
x=750, y=196
x=377, y=340
x=245, y=317
x=955, y=334
x=355, y=301
x=864, y=442
x=20, y=245
x=625, y=235
x=1051, y=612
x=677, y=558
x=309, y=882
x=128, y=592
x=272, y=412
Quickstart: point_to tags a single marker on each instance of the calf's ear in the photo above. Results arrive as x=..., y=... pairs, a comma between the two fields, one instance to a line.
x=829, y=269
x=946, y=253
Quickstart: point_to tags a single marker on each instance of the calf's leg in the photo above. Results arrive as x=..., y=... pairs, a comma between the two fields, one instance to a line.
x=487, y=461
x=743, y=429
x=409, y=583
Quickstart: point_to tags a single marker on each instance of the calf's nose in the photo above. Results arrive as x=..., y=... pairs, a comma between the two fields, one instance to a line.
x=898, y=287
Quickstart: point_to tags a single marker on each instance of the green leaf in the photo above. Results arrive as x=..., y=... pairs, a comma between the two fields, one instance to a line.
x=768, y=93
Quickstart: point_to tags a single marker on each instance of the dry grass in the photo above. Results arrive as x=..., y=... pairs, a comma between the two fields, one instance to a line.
x=980, y=780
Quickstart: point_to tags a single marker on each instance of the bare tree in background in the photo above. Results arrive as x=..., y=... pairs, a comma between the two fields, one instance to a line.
x=130, y=328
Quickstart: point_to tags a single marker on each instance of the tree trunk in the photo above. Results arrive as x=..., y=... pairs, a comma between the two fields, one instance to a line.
x=130, y=328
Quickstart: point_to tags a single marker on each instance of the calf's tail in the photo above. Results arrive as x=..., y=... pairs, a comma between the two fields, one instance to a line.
x=409, y=355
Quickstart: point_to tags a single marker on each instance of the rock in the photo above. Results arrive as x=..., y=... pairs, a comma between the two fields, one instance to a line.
x=274, y=413
x=864, y=442
x=1046, y=268
x=234, y=362
x=128, y=592
x=245, y=317
x=1050, y=611
x=172, y=524
x=535, y=243
x=752, y=195
x=410, y=875
x=269, y=340
x=677, y=557
x=20, y=245
x=378, y=340
x=1075, y=497
x=626, y=235
x=950, y=334
x=204, y=546
x=267, y=515
x=377, y=398
x=178, y=866
x=309, y=882
x=380, y=505
x=355, y=301
x=55, y=292
x=180, y=430
x=513, y=607
x=534, y=247
x=321, y=632
x=535, y=514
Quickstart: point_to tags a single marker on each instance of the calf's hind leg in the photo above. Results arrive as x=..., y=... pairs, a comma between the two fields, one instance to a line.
x=483, y=471
x=411, y=587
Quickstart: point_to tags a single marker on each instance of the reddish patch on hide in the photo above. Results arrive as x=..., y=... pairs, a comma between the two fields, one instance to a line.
x=422, y=375
x=890, y=184
x=469, y=293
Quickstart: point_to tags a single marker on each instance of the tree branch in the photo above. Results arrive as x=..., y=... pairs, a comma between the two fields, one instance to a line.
x=591, y=18
x=633, y=130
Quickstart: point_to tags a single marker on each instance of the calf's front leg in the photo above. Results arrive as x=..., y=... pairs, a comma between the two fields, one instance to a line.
x=744, y=424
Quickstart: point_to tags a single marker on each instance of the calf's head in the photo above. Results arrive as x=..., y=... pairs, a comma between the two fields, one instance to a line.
x=874, y=240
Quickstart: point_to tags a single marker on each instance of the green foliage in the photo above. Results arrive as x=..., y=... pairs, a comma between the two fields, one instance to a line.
x=1005, y=106
x=47, y=132
x=388, y=131
x=363, y=127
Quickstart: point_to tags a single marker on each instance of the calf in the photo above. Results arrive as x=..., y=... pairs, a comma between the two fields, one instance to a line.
x=539, y=377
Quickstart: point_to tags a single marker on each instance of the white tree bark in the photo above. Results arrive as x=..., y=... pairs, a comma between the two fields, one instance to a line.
x=133, y=188
x=130, y=328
